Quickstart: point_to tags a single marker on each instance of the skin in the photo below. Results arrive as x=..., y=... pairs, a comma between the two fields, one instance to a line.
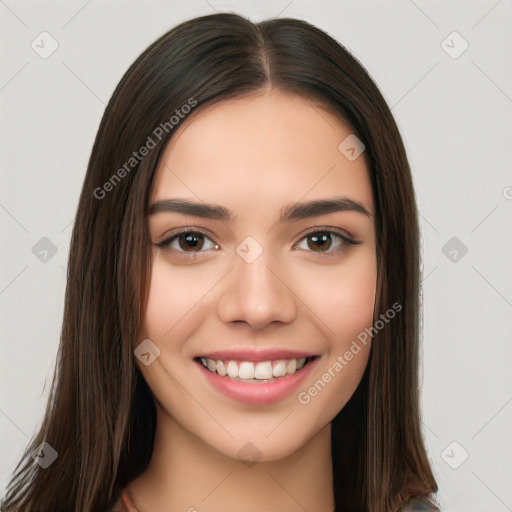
x=254, y=155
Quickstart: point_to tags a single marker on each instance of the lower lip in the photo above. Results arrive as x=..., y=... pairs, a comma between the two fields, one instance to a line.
x=258, y=393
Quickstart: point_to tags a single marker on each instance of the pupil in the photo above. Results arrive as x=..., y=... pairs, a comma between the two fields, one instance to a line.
x=192, y=241
x=324, y=237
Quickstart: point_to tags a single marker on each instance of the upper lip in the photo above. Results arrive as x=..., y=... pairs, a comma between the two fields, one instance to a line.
x=262, y=354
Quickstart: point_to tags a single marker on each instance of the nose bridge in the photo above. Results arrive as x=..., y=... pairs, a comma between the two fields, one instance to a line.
x=254, y=291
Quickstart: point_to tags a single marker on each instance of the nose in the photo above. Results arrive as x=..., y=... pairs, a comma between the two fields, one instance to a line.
x=257, y=293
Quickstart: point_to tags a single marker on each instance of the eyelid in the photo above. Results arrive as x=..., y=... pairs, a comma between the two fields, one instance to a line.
x=346, y=239
x=183, y=230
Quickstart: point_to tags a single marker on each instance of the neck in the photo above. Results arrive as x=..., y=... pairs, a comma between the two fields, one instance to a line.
x=187, y=474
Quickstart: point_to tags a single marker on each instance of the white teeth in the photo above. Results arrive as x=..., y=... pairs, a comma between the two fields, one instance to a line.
x=279, y=369
x=263, y=370
x=247, y=370
x=232, y=369
x=291, y=366
x=221, y=368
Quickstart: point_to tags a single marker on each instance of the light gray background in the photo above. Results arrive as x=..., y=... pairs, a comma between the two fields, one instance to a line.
x=455, y=118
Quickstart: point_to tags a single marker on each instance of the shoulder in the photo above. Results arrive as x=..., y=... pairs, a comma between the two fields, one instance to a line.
x=419, y=503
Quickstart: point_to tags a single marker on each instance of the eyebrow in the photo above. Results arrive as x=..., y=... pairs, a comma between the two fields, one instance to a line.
x=291, y=212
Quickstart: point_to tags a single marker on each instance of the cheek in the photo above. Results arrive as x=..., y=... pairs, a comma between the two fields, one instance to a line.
x=353, y=303
x=342, y=297
x=347, y=311
x=174, y=300
x=347, y=308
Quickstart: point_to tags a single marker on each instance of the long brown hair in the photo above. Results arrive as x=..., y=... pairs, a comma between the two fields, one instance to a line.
x=100, y=417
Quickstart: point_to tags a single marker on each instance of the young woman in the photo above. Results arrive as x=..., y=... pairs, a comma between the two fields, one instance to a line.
x=242, y=308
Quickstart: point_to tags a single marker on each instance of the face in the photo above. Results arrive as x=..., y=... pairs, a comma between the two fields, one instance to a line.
x=269, y=293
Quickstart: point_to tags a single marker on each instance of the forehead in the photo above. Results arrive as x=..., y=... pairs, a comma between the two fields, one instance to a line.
x=265, y=149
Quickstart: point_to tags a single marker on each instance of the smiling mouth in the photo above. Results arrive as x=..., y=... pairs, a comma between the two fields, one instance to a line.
x=261, y=371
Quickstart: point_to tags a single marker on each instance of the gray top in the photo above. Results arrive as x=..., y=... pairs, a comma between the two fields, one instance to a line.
x=417, y=503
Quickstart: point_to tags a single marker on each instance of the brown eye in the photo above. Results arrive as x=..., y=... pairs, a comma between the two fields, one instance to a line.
x=320, y=240
x=193, y=241
x=188, y=243
x=326, y=242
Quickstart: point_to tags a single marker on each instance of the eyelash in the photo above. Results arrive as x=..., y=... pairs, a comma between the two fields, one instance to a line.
x=195, y=231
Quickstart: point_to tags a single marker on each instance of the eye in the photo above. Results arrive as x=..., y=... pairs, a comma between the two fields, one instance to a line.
x=316, y=241
x=184, y=240
x=189, y=243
